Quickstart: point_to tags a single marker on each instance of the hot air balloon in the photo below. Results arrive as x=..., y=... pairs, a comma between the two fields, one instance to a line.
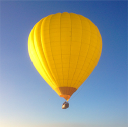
x=65, y=48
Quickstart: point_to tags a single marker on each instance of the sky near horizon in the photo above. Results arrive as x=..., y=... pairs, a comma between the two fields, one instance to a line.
x=26, y=100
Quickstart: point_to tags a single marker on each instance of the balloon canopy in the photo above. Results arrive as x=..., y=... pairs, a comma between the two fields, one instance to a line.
x=65, y=48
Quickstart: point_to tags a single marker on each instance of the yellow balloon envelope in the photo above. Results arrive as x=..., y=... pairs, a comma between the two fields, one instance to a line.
x=65, y=48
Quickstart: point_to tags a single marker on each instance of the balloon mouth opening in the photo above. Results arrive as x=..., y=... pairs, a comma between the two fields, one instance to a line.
x=65, y=92
x=66, y=97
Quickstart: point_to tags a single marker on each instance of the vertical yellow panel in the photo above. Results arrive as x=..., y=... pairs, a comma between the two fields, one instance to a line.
x=35, y=59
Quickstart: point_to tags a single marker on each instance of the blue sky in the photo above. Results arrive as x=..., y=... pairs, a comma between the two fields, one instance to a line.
x=26, y=100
